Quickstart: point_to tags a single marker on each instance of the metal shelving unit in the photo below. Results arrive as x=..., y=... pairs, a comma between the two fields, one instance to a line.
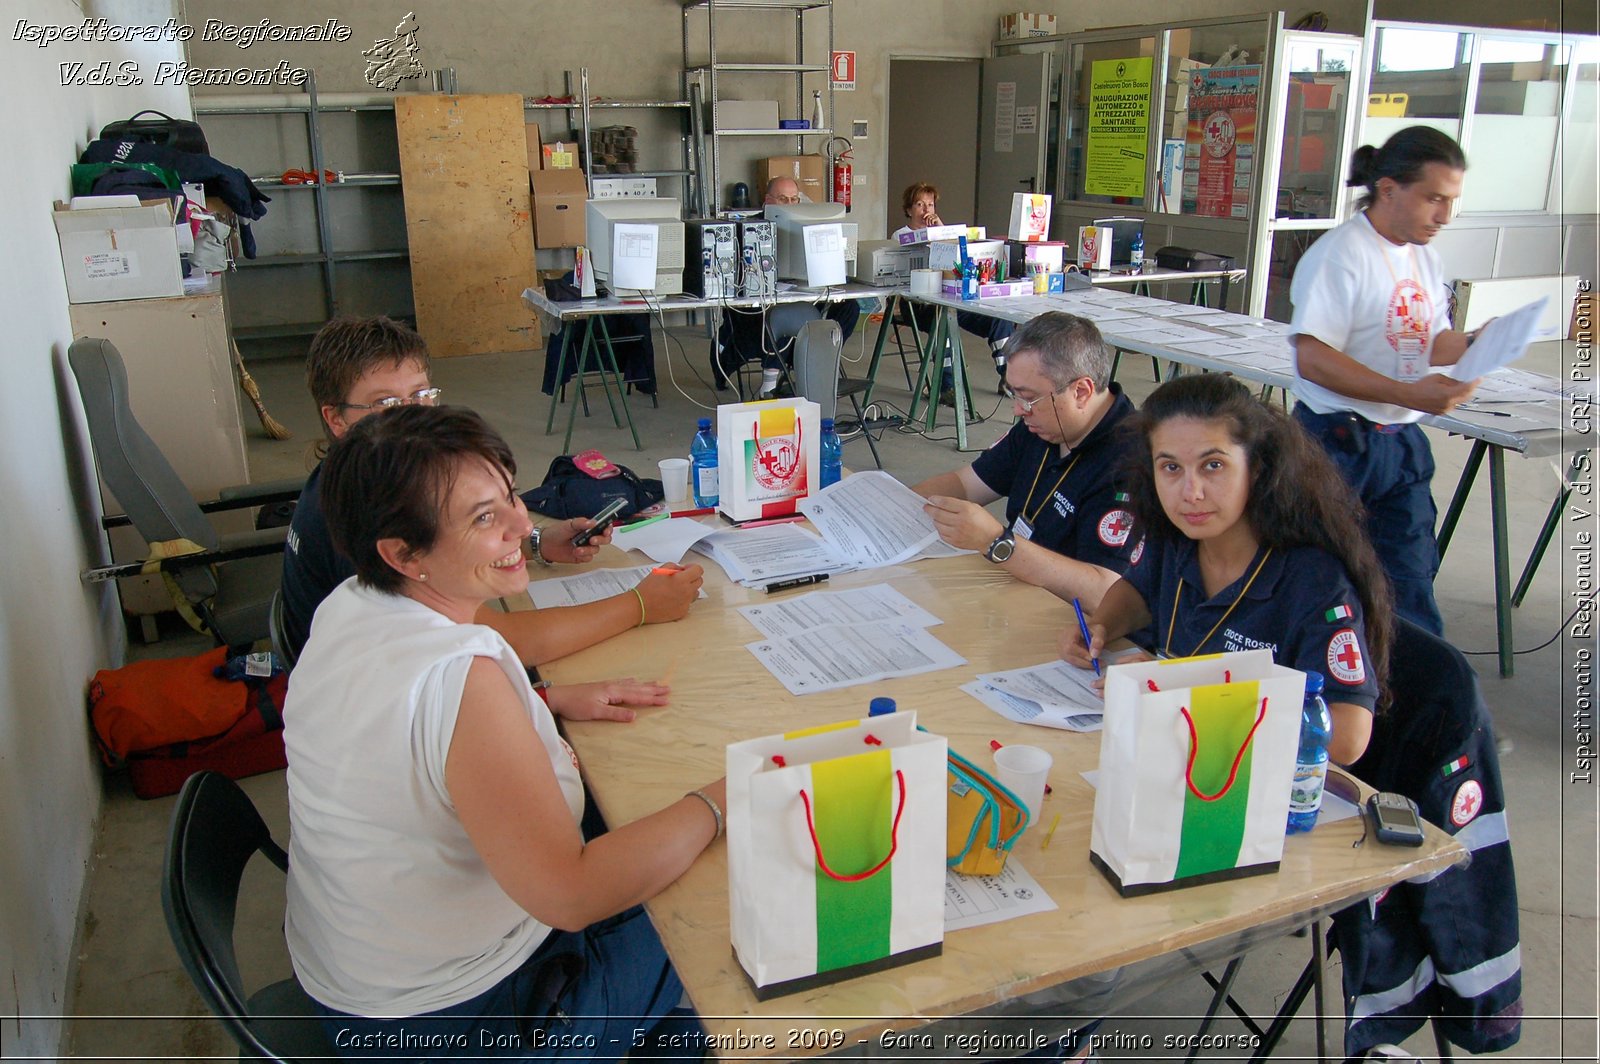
x=704, y=78
x=579, y=116
x=327, y=255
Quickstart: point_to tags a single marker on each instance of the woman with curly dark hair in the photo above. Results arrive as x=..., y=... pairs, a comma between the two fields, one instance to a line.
x=1252, y=539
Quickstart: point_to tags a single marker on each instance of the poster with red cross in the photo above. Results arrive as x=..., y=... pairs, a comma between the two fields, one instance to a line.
x=1220, y=141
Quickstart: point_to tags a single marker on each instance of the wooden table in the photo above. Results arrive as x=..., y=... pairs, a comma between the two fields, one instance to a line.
x=1096, y=950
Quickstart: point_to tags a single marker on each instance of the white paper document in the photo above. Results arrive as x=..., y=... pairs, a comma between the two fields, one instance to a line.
x=1026, y=711
x=665, y=541
x=592, y=586
x=1160, y=332
x=1501, y=342
x=871, y=518
x=818, y=609
x=972, y=901
x=757, y=556
x=826, y=659
x=1054, y=683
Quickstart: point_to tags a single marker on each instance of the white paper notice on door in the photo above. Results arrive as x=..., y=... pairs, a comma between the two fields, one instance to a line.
x=1005, y=115
x=1027, y=120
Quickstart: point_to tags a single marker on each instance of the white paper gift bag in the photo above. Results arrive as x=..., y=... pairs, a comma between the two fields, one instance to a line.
x=768, y=456
x=1196, y=760
x=836, y=851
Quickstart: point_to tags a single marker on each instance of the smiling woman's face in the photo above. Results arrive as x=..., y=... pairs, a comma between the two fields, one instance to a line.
x=478, y=553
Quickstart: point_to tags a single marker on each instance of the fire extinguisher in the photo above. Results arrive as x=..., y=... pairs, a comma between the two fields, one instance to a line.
x=841, y=170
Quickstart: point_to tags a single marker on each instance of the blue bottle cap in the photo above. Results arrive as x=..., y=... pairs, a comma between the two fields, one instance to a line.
x=880, y=706
x=705, y=423
x=1314, y=683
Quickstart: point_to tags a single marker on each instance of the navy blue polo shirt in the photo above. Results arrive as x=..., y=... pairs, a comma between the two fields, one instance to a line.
x=1301, y=606
x=312, y=567
x=1071, y=502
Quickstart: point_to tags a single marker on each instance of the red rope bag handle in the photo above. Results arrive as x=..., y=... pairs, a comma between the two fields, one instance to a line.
x=1194, y=750
x=894, y=838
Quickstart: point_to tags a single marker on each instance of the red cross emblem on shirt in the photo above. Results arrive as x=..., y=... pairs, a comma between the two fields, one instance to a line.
x=1344, y=657
x=1467, y=803
x=1350, y=657
x=1114, y=527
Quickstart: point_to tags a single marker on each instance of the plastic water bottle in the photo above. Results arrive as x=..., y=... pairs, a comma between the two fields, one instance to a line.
x=1311, y=765
x=1136, y=253
x=832, y=454
x=703, y=465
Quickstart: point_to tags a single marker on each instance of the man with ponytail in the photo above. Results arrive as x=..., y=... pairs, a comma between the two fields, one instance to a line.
x=1374, y=349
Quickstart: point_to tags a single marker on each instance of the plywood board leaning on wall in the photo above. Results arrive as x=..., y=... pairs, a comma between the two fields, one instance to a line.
x=464, y=167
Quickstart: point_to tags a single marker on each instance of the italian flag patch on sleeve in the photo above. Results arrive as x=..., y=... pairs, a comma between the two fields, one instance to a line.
x=1339, y=613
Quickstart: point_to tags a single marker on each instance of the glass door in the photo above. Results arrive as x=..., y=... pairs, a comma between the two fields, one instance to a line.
x=1314, y=111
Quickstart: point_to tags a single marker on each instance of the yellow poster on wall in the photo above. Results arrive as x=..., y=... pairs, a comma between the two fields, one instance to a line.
x=1118, y=133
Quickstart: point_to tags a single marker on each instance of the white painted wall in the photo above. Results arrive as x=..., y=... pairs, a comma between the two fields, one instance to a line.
x=54, y=634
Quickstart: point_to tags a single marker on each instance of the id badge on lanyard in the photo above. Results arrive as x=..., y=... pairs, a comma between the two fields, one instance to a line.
x=1413, y=359
x=1021, y=528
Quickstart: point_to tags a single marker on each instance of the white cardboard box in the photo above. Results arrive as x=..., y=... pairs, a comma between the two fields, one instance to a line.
x=943, y=232
x=1030, y=216
x=111, y=253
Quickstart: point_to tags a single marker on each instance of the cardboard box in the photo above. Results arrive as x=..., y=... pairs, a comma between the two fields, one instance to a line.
x=111, y=253
x=997, y=290
x=1027, y=24
x=558, y=208
x=1027, y=257
x=535, y=147
x=625, y=187
x=747, y=114
x=944, y=232
x=808, y=172
x=562, y=155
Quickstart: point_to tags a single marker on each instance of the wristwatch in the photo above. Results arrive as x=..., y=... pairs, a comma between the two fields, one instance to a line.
x=1002, y=548
x=533, y=547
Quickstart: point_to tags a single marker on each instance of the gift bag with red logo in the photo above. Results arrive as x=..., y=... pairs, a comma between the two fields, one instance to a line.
x=1196, y=761
x=768, y=456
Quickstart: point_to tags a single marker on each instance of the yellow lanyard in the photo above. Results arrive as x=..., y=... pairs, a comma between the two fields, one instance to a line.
x=1173, y=620
x=1044, y=461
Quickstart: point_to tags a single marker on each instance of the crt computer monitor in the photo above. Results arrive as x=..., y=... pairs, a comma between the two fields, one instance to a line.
x=601, y=215
x=823, y=262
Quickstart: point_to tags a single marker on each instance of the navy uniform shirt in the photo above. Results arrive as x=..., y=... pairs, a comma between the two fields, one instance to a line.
x=312, y=568
x=1301, y=606
x=1079, y=515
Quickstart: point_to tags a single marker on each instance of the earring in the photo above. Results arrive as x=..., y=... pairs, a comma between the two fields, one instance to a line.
x=422, y=576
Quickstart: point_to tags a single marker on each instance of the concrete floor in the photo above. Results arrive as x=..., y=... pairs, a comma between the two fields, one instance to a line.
x=132, y=999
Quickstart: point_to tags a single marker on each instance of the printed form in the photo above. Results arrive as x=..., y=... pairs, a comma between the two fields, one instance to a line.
x=872, y=518
x=819, y=609
x=826, y=659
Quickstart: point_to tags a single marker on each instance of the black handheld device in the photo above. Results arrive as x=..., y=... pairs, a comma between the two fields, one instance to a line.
x=1395, y=819
x=602, y=521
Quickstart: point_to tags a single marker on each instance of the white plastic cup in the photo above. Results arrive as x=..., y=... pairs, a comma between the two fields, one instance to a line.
x=675, y=481
x=1024, y=770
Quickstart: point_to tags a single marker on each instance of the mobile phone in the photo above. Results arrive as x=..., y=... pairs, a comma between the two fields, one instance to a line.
x=602, y=521
x=1395, y=819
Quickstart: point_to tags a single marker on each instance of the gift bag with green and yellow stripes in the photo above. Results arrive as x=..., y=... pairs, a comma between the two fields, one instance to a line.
x=836, y=851
x=1196, y=761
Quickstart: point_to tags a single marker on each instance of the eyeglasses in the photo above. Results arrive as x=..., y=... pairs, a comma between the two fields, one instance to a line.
x=787, y=201
x=426, y=397
x=1027, y=405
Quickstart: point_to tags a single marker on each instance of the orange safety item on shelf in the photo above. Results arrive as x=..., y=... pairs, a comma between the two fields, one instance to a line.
x=308, y=177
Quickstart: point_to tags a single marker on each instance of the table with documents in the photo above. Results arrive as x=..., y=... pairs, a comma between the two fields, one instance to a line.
x=1093, y=952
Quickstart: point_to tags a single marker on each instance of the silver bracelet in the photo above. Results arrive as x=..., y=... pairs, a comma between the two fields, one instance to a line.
x=716, y=810
x=534, y=539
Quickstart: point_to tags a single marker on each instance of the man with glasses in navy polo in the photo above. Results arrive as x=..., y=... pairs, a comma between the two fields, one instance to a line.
x=1067, y=529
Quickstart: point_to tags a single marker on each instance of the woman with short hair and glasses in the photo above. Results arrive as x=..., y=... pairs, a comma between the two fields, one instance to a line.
x=364, y=367
x=441, y=893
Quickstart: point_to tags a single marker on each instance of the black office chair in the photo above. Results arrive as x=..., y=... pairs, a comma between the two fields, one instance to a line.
x=228, y=584
x=279, y=634
x=215, y=831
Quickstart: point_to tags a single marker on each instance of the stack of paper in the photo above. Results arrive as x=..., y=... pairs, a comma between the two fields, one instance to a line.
x=872, y=519
x=819, y=609
x=756, y=557
x=1052, y=695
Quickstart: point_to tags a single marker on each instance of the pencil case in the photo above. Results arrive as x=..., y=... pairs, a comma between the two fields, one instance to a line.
x=984, y=820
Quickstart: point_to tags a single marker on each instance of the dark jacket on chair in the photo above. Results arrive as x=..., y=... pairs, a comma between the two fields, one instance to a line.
x=1443, y=946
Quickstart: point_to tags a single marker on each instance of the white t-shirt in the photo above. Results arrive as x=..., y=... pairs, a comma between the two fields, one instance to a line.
x=1380, y=304
x=391, y=912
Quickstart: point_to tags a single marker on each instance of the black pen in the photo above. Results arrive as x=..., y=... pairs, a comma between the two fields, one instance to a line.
x=799, y=581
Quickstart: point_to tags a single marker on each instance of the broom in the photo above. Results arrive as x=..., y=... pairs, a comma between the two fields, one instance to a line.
x=247, y=384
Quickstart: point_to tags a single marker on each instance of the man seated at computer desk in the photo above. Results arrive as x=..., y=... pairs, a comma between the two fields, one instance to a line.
x=1067, y=528
x=749, y=334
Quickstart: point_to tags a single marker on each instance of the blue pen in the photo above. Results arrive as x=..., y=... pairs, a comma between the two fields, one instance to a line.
x=1083, y=626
